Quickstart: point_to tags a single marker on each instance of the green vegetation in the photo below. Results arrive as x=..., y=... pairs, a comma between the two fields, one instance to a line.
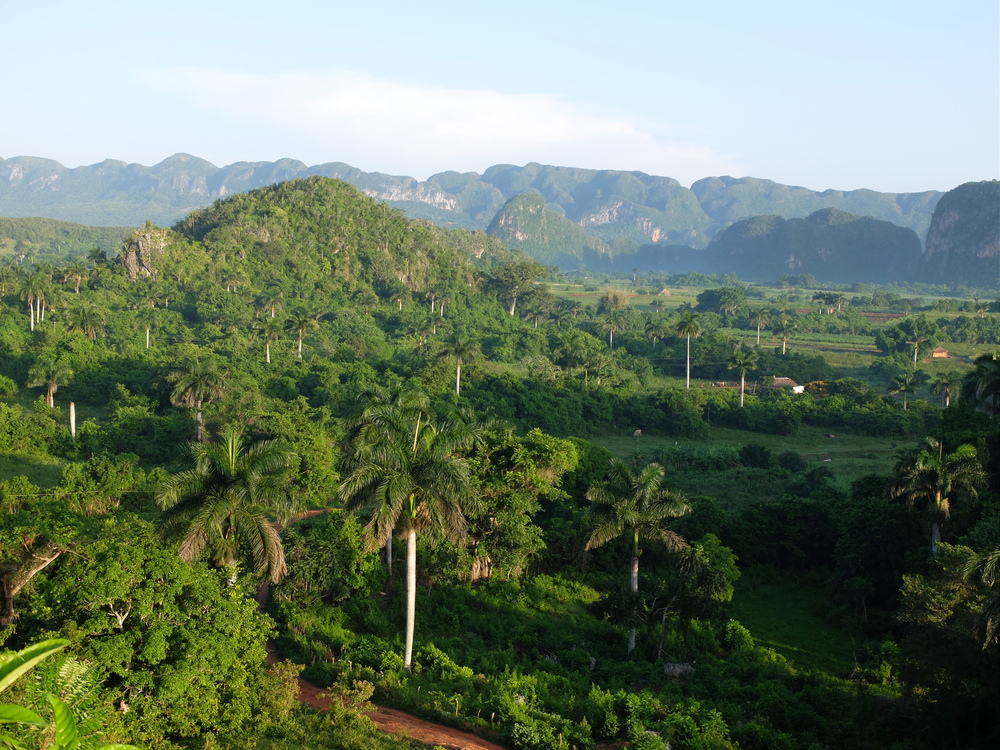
x=322, y=378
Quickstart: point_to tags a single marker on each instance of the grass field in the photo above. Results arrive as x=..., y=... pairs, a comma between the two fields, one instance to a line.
x=44, y=473
x=790, y=617
x=847, y=456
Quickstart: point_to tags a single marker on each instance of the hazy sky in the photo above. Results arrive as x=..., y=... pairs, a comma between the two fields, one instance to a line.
x=893, y=96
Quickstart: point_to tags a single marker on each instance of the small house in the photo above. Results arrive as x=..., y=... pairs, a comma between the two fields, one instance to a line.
x=788, y=383
x=940, y=353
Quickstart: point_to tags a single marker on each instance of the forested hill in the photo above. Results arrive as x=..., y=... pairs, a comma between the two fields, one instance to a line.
x=30, y=240
x=831, y=245
x=631, y=208
x=963, y=242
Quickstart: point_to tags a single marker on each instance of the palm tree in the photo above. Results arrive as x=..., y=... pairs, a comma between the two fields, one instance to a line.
x=33, y=291
x=534, y=315
x=656, y=329
x=7, y=277
x=462, y=348
x=225, y=500
x=270, y=330
x=76, y=272
x=944, y=383
x=613, y=321
x=410, y=488
x=688, y=326
x=905, y=383
x=85, y=318
x=50, y=372
x=984, y=383
x=197, y=381
x=939, y=478
x=270, y=301
x=634, y=503
x=145, y=318
x=743, y=360
x=986, y=567
x=759, y=318
x=783, y=328
x=301, y=321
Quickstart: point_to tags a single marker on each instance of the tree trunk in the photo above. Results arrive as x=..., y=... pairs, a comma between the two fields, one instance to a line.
x=411, y=595
x=689, y=364
x=388, y=557
x=743, y=383
x=513, y=304
x=935, y=536
x=458, y=378
x=147, y=338
x=634, y=588
x=198, y=419
x=12, y=581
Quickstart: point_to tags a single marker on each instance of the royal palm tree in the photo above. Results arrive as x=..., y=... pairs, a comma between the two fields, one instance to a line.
x=301, y=321
x=534, y=315
x=944, y=383
x=225, y=501
x=76, y=272
x=983, y=383
x=8, y=275
x=688, y=327
x=145, y=319
x=51, y=372
x=195, y=382
x=905, y=383
x=638, y=504
x=34, y=289
x=270, y=301
x=783, y=328
x=613, y=321
x=939, y=478
x=463, y=348
x=743, y=360
x=409, y=488
x=657, y=329
x=986, y=568
x=759, y=318
x=270, y=330
x=85, y=318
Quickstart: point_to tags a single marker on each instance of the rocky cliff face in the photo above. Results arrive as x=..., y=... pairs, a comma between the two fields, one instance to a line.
x=142, y=251
x=963, y=242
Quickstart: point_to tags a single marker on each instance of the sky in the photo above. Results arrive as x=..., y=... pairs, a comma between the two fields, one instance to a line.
x=891, y=96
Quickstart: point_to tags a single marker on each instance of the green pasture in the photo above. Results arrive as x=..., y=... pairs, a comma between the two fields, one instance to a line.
x=41, y=472
x=792, y=618
x=846, y=456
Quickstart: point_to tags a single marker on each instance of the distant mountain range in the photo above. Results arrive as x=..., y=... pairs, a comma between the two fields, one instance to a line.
x=598, y=219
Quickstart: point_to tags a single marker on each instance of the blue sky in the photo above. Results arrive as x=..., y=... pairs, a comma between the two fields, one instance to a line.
x=893, y=96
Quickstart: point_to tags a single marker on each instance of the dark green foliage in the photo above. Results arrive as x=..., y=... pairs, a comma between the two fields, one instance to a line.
x=829, y=244
x=185, y=652
x=49, y=240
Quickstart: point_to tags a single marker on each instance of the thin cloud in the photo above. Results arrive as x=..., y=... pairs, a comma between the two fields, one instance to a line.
x=419, y=129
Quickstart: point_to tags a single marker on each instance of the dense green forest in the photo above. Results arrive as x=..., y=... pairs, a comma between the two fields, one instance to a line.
x=559, y=512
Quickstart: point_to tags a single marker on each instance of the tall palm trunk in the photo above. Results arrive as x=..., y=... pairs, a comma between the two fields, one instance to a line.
x=198, y=419
x=634, y=588
x=411, y=595
x=689, y=364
